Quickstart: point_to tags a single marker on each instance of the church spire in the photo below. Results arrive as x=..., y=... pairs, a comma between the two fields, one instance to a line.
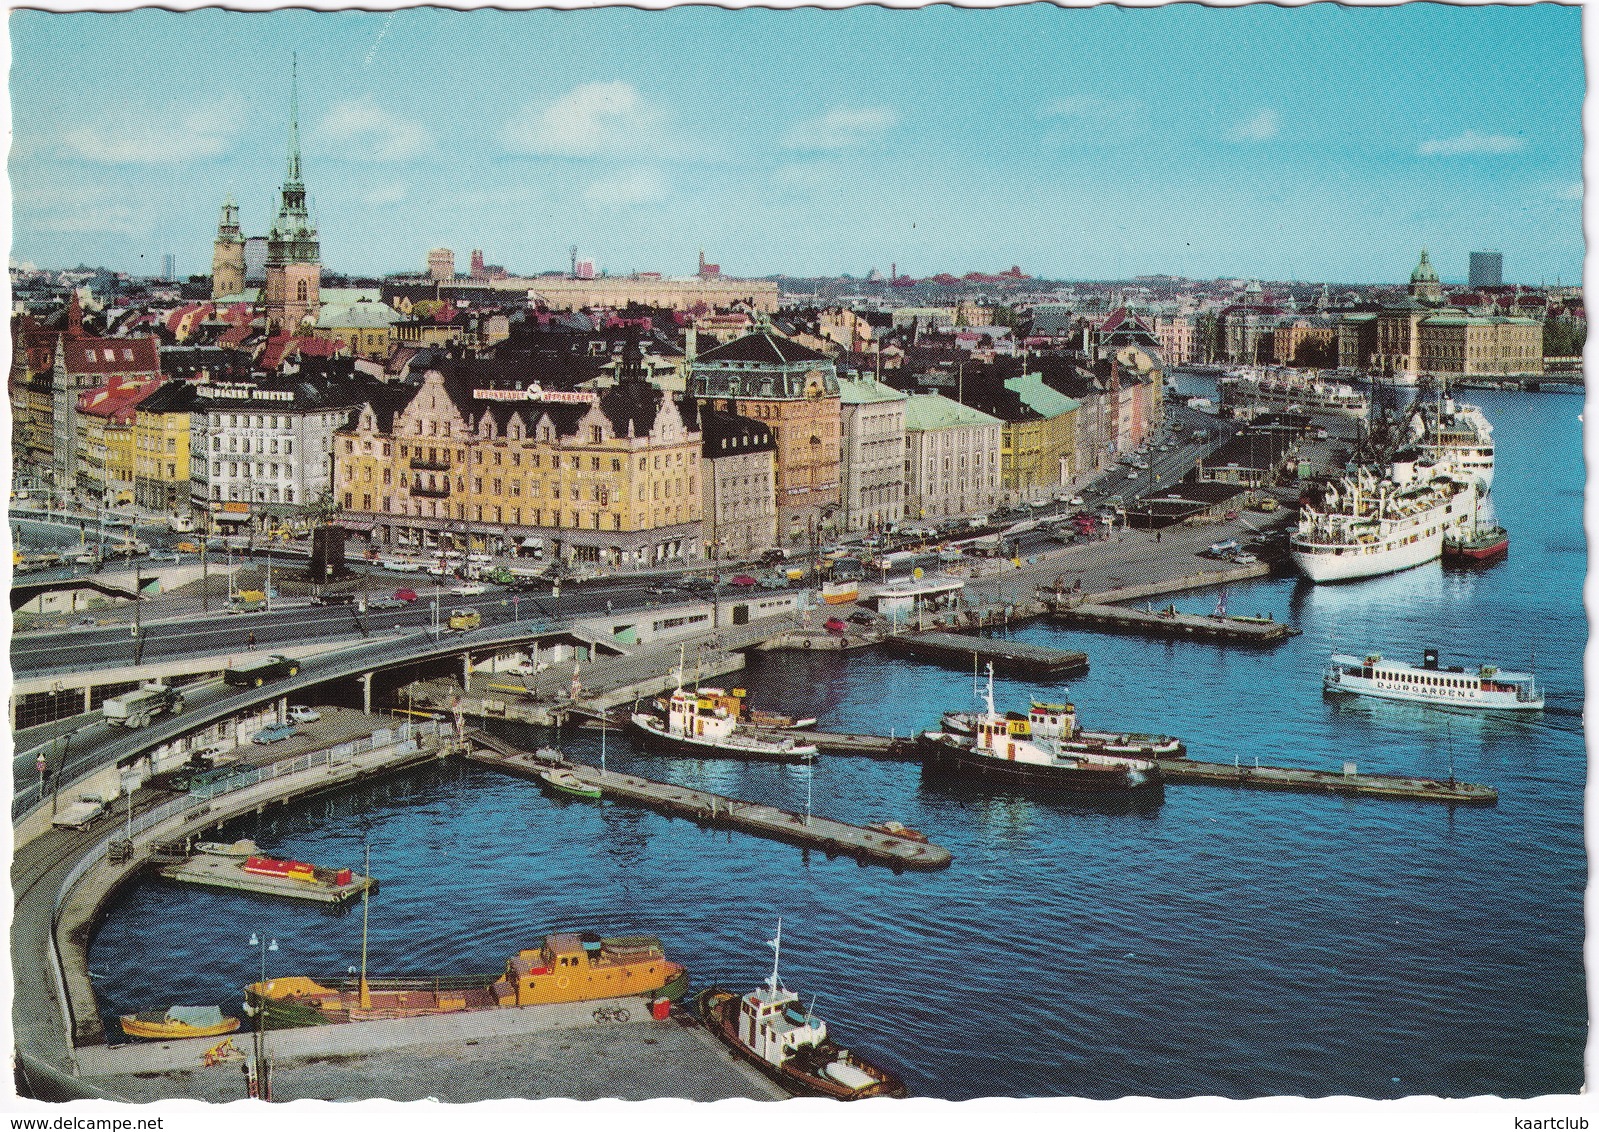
x=294, y=119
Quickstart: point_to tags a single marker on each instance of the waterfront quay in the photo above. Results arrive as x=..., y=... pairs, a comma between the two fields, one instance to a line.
x=1169, y=622
x=716, y=811
x=1006, y=656
x=1349, y=782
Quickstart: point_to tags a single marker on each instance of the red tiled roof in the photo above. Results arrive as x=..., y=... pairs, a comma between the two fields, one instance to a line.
x=317, y=347
x=116, y=402
x=111, y=355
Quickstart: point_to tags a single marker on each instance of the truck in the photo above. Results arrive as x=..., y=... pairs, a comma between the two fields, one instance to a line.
x=138, y=707
x=464, y=619
x=88, y=809
x=258, y=672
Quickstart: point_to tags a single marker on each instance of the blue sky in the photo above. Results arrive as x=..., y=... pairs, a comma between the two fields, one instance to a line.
x=1312, y=143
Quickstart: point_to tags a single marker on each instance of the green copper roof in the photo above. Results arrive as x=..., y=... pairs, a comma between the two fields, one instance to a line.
x=925, y=411
x=1424, y=272
x=866, y=391
x=357, y=316
x=1040, y=398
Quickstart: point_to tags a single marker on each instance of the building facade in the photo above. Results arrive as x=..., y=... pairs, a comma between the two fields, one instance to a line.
x=872, y=422
x=1038, y=449
x=740, y=485
x=793, y=390
x=951, y=458
x=161, y=430
x=441, y=264
x=608, y=478
x=1487, y=270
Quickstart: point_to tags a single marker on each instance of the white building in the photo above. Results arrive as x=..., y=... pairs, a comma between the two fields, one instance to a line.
x=873, y=440
x=951, y=458
x=263, y=451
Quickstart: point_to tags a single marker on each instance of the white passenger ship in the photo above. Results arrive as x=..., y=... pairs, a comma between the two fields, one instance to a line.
x=1359, y=526
x=1487, y=687
x=1292, y=391
x=1457, y=437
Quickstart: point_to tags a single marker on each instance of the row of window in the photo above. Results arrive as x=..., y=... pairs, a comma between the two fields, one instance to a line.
x=262, y=445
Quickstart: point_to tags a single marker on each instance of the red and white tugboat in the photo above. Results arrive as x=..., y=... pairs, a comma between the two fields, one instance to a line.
x=771, y=1029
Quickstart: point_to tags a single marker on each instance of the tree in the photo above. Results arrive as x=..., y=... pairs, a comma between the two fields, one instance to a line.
x=1563, y=338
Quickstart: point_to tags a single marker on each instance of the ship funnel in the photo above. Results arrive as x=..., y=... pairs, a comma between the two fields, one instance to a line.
x=1429, y=660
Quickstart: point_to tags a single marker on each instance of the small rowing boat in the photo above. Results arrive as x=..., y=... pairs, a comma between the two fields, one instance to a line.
x=179, y=1022
x=563, y=781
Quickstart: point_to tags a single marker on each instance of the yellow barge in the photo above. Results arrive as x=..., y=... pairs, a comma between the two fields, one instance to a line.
x=568, y=967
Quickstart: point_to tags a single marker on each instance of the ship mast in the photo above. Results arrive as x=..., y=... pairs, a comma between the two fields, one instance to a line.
x=777, y=951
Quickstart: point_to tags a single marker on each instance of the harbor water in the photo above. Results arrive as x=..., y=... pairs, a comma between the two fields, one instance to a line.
x=1213, y=942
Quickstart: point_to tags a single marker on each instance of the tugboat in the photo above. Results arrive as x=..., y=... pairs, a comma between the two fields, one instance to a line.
x=568, y=967
x=1056, y=723
x=704, y=726
x=771, y=1029
x=997, y=752
x=1476, y=544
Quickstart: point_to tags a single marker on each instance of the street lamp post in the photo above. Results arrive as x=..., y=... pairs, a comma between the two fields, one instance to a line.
x=259, y=1074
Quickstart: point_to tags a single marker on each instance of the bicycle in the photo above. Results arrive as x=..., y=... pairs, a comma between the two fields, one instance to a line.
x=611, y=1014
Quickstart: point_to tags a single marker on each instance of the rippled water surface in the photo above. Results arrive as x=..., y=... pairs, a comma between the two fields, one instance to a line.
x=1220, y=943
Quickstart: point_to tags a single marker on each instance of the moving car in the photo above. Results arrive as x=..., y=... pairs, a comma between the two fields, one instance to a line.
x=464, y=619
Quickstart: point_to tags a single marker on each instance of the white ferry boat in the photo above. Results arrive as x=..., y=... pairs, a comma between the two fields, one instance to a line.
x=1457, y=437
x=702, y=725
x=1486, y=687
x=1358, y=527
x=1291, y=391
x=1055, y=726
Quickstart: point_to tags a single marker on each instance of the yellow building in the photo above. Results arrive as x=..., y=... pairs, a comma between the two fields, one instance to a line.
x=366, y=327
x=609, y=478
x=1038, y=444
x=161, y=449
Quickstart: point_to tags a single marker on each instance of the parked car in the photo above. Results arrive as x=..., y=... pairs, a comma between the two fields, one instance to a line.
x=385, y=603
x=405, y=595
x=469, y=590
x=743, y=581
x=299, y=713
x=1244, y=558
x=333, y=599
x=834, y=625
x=864, y=617
x=188, y=548
x=274, y=732
x=464, y=619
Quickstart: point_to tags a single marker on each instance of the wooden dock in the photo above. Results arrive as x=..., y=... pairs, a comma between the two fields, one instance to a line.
x=1169, y=622
x=217, y=871
x=1327, y=782
x=1007, y=656
x=834, y=838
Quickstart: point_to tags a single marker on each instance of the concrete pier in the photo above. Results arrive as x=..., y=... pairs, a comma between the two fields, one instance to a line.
x=1169, y=622
x=835, y=838
x=213, y=870
x=1007, y=656
x=1351, y=784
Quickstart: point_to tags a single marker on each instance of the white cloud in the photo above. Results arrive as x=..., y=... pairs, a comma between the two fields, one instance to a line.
x=1262, y=126
x=1470, y=142
x=152, y=138
x=635, y=186
x=842, y=128
x=363, y=131
x=388, y=194
x=589, y=120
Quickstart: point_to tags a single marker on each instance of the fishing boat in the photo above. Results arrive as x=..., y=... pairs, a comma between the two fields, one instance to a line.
x=697, y=722
x=1477, y=544
x=1361, y=525
x=999, y=751
x=179, y=1022
x=1486, y=687
x=771, y=1029
x=567, y=967
x=559, y=780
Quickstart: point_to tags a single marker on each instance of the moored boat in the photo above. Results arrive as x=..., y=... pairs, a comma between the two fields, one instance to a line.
x=999, y=752
x=771, y=1029
x=1458, y=437
x=561, y=781
x=696, y=723
x=1361, y=526
x=179, y=1022
x=567, y=967
x=1476, y=543
x=1486, y=687
x=900, y=830
x=1057, y=723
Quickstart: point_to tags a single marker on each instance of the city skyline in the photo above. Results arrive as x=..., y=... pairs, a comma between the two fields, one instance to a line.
x=1186, y=141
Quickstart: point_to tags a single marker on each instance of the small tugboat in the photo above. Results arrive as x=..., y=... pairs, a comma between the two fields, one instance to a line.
x=569, y=967
x=559, y=780
x=179, y=1022
x=1487, y=687
x=1057, y=723
x=771, y=1029
x=704, y=726
x=1476, y=544
x=998, y=752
